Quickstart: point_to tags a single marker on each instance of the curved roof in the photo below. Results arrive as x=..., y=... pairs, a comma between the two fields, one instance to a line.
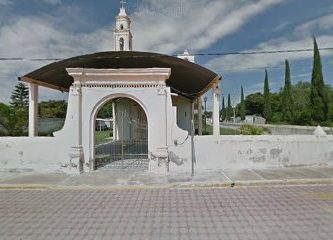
x=187, y=79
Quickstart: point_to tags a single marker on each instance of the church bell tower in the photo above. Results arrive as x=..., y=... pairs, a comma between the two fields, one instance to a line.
x=122, y=32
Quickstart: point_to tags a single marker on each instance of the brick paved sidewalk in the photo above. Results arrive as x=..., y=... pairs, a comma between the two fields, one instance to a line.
x=118, y=178
x=288, y=212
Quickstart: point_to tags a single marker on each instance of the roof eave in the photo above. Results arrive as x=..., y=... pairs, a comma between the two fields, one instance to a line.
x=43, y=84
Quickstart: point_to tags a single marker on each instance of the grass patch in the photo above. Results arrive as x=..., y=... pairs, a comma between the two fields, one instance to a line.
x=229, y=131
x=223, y=131
x=251, y=130
x=103, y=136
x=243, y=130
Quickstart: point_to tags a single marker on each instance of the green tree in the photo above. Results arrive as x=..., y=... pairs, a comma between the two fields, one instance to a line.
x=53, y=109
x=223, y=111
x=254, y=104
x=242, y=110
x=20, y=96
x=319, y=99
x=105, y=111
x=14, y=118
x=276, y=100
x=267, y=111
x=13, y=121
x=287, y=100
x=229, y=111
x=302, y=103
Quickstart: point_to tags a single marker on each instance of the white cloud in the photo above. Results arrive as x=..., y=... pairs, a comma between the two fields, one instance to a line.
x=54, y=2
x=322, y=23
x=191, y=24
x=300, y=39
x=5, y=2
x=165, y=26
x=281, y=26
x=40, y=38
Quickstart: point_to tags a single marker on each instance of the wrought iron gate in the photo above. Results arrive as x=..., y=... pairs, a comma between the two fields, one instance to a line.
x=129, y=147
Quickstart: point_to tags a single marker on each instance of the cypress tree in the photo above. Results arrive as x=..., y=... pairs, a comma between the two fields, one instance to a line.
x=242, y=105
x=20, y=96
x=318, y=96
x=267, y=111
x=229, y=111
x=287, y=100
x=223, y=112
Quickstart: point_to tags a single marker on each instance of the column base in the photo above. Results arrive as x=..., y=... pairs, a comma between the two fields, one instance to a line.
x=76, y=162
x=159, y=161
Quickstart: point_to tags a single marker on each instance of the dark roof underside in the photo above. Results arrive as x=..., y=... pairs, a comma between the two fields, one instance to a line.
x=186, y=79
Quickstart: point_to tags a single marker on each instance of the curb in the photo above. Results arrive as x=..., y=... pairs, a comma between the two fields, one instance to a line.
x=188, y=185
x=24, y=187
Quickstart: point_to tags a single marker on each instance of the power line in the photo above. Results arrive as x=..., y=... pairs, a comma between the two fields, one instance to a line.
x=278, y=66
x=30, y=59
x=262, y=52
x=195, y=54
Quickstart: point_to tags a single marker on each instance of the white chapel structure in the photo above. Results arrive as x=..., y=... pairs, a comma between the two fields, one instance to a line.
x=153, y=98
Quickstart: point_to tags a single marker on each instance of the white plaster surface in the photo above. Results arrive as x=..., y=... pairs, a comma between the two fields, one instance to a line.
x=239, y=152
x=211, y=153
x=33, y=109
x=216, y=109
x=145, y=86
x=184, y=112
x=41, y=153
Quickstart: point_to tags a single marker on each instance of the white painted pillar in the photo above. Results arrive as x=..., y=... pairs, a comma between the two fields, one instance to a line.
x=76, y=154
x=216, y=109
x=199, y=116
x=33, y=110
x=114, y=128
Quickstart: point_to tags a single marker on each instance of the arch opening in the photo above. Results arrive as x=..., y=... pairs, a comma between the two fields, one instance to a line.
x=121, y=44
x=121, y=135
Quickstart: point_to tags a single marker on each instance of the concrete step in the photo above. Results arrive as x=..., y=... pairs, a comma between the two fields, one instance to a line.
x=128, y=164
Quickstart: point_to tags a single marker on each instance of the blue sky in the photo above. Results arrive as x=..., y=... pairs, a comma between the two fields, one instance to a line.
x=66, y=28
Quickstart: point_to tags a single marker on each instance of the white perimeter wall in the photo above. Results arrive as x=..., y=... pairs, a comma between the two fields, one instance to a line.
x=42, y=153
x=238, y=152
x=211, y=152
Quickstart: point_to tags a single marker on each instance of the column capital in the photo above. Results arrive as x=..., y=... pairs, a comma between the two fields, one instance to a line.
x=216, y=88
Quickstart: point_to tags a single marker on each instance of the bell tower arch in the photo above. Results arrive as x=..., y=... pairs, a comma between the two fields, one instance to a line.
x=122, y=31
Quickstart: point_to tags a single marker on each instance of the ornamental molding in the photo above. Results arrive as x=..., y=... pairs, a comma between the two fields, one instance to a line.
x=120, y=78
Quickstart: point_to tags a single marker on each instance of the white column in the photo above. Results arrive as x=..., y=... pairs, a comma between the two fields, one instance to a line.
x=114, y=129
x=76, y=153
x=33, y=110
x=199, y=116
x=216, y=109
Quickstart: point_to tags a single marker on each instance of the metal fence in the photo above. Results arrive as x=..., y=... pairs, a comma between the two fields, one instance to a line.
x=128, y=146
x=126, y=154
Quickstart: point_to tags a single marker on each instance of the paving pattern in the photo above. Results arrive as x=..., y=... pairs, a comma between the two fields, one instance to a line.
x=276, y=212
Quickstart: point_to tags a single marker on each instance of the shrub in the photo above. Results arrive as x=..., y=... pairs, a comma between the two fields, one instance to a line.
x=251, y=130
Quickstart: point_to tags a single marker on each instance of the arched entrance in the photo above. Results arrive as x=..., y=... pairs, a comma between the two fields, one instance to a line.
x=121, y=136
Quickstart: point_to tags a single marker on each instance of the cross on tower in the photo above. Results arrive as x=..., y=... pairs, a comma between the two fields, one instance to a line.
x=122, y=2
